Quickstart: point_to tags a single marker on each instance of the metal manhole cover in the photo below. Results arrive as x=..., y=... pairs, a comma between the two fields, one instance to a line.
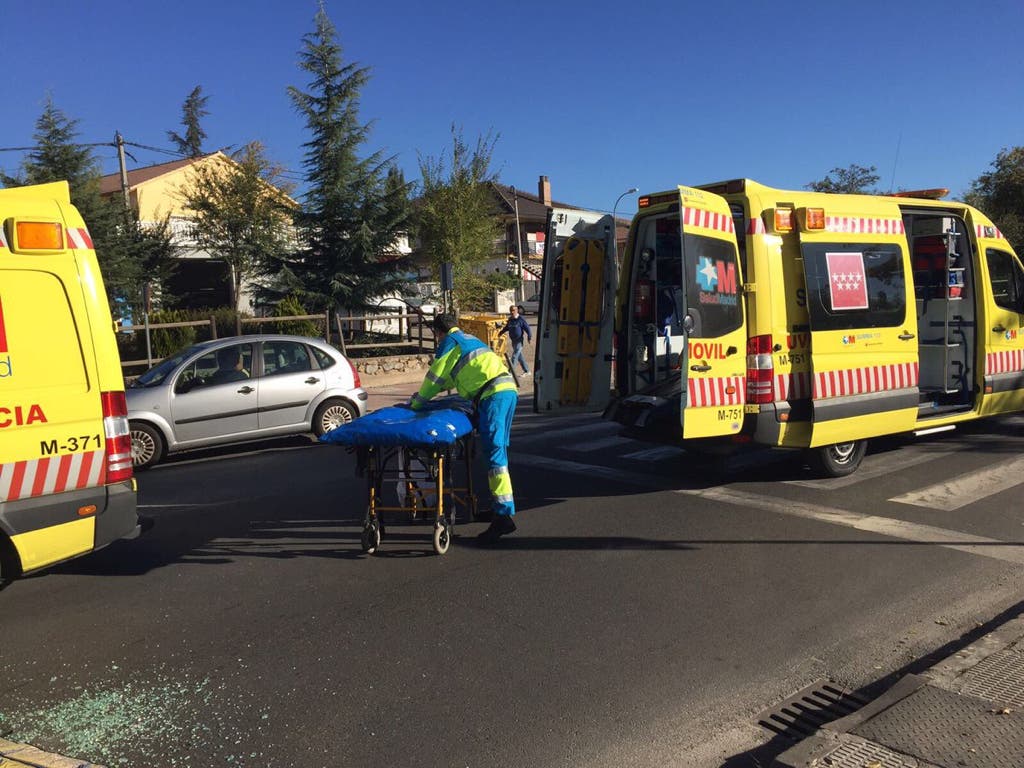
x=947, y=728
x=999, y=677
x=860, y=754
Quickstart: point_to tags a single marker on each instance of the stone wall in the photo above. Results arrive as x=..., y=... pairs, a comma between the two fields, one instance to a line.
x=392, y=365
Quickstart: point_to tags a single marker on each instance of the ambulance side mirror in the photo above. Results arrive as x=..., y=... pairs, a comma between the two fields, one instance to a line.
x=688, y=323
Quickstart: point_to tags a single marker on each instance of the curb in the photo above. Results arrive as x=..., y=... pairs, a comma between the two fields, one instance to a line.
x=15, y=755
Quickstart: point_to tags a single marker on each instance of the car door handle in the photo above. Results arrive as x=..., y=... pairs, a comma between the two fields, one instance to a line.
x=998, y=329
x=700, y=368
x=246, y=390
x=312, y=380
x=906, y=336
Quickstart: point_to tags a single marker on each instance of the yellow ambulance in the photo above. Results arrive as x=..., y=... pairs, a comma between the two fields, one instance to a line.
x=66, y=484
x=739, y=313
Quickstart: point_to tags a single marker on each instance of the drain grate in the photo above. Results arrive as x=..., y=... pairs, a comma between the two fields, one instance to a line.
x=807, y=710
x=999, y=678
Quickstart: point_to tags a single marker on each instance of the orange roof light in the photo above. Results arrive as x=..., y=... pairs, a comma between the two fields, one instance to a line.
x=783, y=219
x=38, y=236
x=643, y=202
x=923, y=194
x=815, y=218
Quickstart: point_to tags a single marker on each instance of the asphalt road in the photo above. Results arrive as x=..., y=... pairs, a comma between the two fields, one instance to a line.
x=648, y=608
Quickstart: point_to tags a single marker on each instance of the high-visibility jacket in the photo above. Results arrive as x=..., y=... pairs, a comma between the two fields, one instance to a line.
x=466, y=364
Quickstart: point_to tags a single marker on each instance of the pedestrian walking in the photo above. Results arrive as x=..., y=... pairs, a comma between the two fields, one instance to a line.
x=516, y=327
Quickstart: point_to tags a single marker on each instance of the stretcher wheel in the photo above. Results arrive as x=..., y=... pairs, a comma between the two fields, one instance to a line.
x=370, y=538
x=442, y=538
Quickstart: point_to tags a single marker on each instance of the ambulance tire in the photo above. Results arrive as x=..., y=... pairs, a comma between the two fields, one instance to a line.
x=147, y=445
x=838, y=459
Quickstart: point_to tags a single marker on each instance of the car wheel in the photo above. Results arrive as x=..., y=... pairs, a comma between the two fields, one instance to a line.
x=838, y=459
x=147, y=445
x=331, y=414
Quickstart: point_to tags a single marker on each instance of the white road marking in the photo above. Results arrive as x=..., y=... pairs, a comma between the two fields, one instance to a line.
x=876, y=465
x=586, y=470
x=967, y=489
x=897, y=529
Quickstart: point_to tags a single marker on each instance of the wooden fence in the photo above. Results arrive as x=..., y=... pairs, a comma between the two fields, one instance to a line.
x=422, y=337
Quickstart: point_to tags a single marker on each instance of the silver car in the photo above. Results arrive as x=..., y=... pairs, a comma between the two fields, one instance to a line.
x=241, y=388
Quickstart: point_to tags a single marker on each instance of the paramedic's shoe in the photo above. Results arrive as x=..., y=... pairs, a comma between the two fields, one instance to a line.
x=500, y=526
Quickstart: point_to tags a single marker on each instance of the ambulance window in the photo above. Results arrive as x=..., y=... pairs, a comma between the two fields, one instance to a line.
x=1007, y=280
x=854, y=285
x=712, y=286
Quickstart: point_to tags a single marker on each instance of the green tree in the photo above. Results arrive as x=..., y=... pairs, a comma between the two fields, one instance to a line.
x=455, y=215
x=354, y=208
x=999, y=192
x=129, y=253
x=192, y=112
x=242, y=212
x=854, y=179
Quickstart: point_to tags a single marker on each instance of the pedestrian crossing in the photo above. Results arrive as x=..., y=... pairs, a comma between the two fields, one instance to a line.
x=594, y=448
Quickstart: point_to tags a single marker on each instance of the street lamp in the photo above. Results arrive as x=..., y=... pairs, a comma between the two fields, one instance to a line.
x=520, y=289
x=615, y=227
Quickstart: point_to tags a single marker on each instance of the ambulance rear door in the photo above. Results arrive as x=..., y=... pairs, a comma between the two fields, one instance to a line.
x=712, y=358
x=863, y=321
x=1001, y=323
x=576, y=315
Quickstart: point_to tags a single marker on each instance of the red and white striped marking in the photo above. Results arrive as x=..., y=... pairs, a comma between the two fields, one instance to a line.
x=3, y=239
x=795, y=386
x=756, y=227
x=863, y=226
x=728, y=390
x=988, y=230
x=861, y=381
x=698, y=217
x=53, y=474
x=79, y=238
x=1009, y=361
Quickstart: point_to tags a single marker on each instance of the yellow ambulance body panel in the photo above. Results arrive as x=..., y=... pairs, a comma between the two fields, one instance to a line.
x=66, y=485
x=861, y=316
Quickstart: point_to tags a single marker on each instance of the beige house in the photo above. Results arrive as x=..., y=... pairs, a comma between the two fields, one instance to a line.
x=201, y=280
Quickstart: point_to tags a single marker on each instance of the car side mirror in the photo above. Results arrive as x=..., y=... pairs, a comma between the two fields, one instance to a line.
x=688, y=324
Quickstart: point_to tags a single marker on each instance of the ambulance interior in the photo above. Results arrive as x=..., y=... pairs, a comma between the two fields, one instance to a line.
x=943, y=275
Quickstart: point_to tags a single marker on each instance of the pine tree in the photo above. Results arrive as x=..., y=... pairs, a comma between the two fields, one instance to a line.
x=999, y=193
x=854, y=179
x=192, y=112
x=352, y=215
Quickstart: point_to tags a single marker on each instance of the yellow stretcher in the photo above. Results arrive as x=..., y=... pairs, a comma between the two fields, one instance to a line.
x=428, y=478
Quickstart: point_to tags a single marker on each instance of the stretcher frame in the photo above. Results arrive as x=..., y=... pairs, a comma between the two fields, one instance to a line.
x=381, y=464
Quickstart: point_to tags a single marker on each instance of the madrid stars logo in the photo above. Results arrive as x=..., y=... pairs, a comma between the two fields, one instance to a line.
x=847, y=282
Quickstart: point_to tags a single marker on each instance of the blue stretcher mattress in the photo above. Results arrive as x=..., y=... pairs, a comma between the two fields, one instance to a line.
x=441, y=423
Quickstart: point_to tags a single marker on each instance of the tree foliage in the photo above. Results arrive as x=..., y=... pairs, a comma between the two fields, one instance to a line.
x=999, y=192
x=854, y=179
x=192, y=113
x=355, y=207
x=241, y=212
x=129, y=252
x=455, y=217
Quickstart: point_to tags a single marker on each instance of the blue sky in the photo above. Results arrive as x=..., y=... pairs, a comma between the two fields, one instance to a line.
x=598, y=96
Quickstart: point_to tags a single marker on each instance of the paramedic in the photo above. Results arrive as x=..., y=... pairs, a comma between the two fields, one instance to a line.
x=516, y=327
x=466, y=364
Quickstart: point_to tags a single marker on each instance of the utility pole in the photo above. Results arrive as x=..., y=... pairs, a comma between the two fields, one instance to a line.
x=520, y=290
x=119, y=139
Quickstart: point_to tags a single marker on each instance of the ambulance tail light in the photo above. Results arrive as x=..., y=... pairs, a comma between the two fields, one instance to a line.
x=119, y=440
x=760, y=370
x=814, y=219
x=38, y=236
x=783, y=220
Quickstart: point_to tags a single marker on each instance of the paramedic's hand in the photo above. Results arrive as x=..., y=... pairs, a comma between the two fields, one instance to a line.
x=405, y=404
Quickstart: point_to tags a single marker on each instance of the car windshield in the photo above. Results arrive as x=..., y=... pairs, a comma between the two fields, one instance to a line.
x=155, y=375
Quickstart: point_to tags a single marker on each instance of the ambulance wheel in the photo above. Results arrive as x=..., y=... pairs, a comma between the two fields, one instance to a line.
x=838, y=459
x=370, y=538
x=147, y=445
x=442, y=538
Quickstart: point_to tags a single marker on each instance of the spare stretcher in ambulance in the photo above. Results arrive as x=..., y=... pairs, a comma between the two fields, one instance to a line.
x=797, y=319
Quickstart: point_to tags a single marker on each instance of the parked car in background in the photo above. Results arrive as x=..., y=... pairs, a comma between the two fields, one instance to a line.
x=241, y=388
x=532, y=304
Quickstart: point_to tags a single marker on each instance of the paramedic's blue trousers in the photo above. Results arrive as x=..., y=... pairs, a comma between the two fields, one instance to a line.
x=495, y=422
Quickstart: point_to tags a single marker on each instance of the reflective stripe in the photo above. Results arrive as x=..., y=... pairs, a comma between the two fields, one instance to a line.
x=498, y=471
x=500, y=485
x=502, y=384
x=505, y=498
x=464, y=360
x=436, y=379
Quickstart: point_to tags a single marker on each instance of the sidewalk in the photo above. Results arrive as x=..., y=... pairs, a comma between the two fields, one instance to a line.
x=967, y=711
x=14, y=755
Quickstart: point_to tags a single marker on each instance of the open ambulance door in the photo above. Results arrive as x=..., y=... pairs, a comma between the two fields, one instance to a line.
x=576, y=316
x=685, y=334
x=1001, y=323
x=864, y=332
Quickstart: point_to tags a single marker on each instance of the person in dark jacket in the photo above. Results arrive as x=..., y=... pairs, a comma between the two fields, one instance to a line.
x=516, y=328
